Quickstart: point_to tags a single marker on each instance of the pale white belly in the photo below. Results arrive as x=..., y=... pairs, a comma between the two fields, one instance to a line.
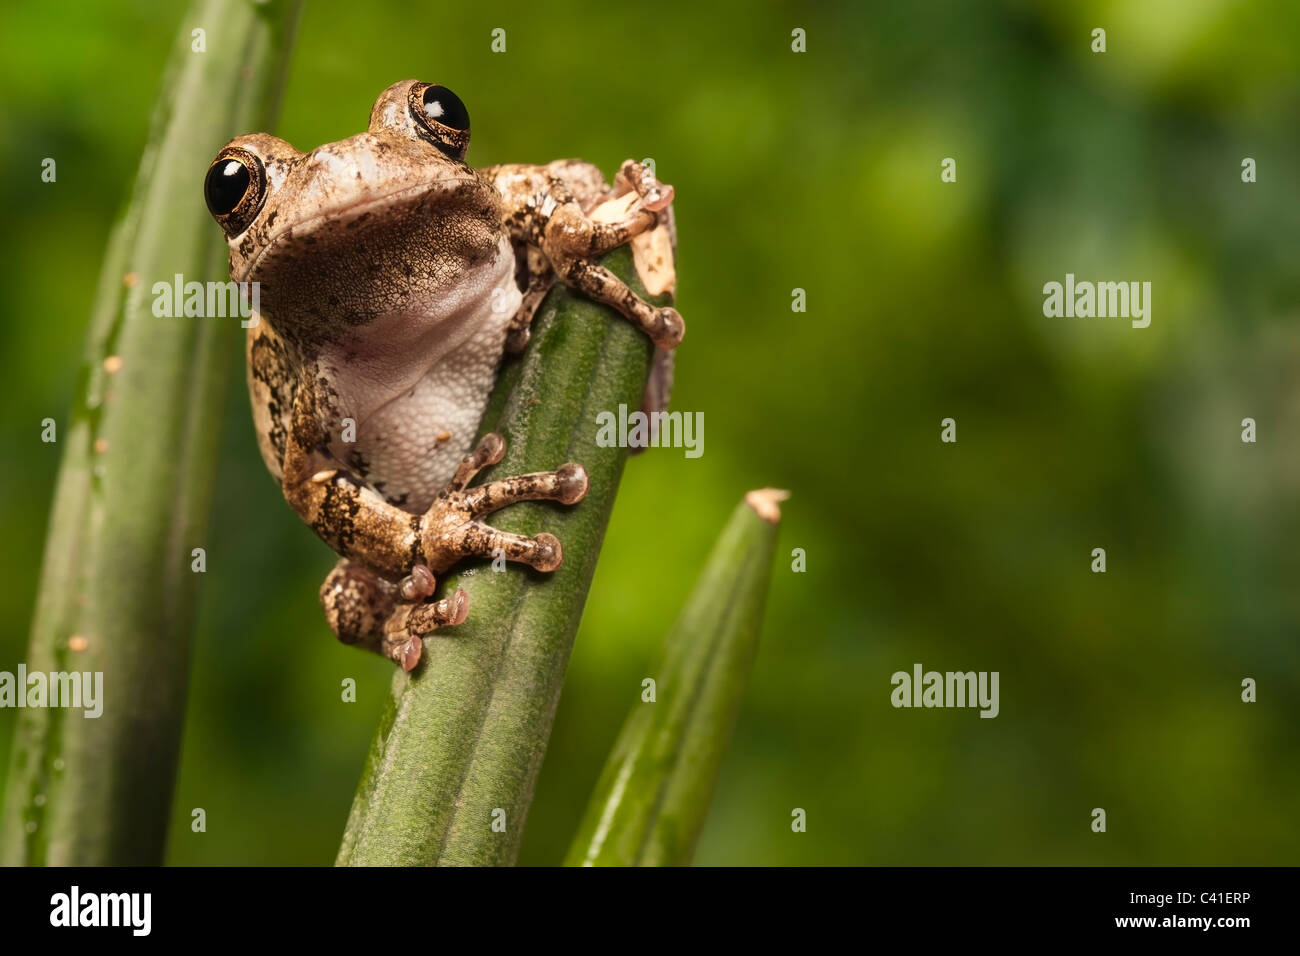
x=417, y=399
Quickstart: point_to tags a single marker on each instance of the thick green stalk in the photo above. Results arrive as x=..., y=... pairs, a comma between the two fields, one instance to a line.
x=139, y=454
x=451, y=771
x=653, y=795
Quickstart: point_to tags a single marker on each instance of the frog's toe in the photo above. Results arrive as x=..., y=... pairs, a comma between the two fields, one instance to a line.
x=570, y=483
x=489, y=451
x=427, y=617
x=669, y=328
x=541, y=552
x=548, y=554
x=411, y=654
x=457, y=608
x=417, y=585
x=640, y=178
x=567, y=485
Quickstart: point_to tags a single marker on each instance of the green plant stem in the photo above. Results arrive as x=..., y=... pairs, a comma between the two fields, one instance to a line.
x=139, y=454
x=461, y=743
x=653, y=794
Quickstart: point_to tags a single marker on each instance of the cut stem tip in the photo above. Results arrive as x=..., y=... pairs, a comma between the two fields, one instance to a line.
x=766, y=503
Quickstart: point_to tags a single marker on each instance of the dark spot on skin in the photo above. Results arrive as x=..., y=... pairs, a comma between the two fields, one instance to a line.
x=357, y=461
x=269, y=364
x=336, y=517
x=414, y=556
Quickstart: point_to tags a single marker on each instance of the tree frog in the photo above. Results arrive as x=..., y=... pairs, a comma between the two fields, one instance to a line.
x=392, y=278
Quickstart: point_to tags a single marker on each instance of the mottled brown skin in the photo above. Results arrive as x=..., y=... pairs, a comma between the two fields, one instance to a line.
x=558, y=238
x=392, y=277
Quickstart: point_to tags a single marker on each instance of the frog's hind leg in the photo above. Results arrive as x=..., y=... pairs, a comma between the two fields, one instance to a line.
x=365, y=610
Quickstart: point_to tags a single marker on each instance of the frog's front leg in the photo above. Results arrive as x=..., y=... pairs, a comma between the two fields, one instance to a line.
x=546, y=207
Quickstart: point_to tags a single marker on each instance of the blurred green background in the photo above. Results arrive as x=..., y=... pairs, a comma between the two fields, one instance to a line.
x=817, y=171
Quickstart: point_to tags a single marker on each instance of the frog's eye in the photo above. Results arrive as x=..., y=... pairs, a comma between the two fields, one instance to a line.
x=234, y=189
x=445, y=108
x=441, y=115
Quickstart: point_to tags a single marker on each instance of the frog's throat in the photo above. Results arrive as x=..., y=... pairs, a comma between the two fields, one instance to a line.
x=343, y=213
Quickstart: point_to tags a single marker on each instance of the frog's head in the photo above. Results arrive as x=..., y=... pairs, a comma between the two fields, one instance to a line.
x=340, y=222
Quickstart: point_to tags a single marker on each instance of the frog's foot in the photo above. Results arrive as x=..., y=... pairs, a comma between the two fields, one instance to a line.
x=640, y=179
x=451, y=529
x=365, y=610
x=408, y=623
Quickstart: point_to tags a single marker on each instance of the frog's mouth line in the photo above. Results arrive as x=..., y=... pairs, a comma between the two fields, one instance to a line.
x=344, y=214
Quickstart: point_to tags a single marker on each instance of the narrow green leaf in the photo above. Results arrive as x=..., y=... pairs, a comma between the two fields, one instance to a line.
x=461, y=743
x=653, y=795
x=139, y=455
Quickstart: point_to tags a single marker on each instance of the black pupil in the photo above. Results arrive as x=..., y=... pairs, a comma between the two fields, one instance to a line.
x=226, y=185
x=443, y=106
